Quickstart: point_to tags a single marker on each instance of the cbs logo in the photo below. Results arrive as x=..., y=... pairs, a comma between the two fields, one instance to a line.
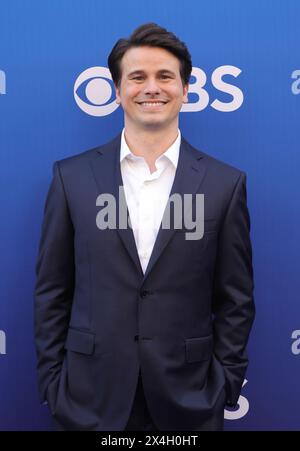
x=98, y=89
x=241, y=411
x=96, y=86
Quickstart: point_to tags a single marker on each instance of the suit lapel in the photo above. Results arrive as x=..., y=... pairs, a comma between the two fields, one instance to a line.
x=107, y=173
x=189, y=175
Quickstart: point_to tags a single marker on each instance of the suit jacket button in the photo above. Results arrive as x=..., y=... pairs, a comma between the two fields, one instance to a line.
x=136, y=337
x=144, y=293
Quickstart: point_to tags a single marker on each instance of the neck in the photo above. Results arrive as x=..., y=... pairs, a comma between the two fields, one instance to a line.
x=151, y=143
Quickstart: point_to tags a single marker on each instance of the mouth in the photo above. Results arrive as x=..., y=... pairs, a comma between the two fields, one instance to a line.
x=152, y=104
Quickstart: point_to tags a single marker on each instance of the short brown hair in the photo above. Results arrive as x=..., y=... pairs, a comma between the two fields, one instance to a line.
x=152, y=35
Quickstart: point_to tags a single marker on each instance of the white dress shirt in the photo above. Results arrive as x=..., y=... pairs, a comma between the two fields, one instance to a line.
x=147, y=194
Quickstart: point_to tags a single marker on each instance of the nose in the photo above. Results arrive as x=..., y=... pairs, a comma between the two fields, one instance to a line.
x=152, y=87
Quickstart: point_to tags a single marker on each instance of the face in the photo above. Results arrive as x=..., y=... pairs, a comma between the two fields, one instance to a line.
x=151, y=90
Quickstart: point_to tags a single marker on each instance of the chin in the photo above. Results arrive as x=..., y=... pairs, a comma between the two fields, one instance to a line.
x=154, y=124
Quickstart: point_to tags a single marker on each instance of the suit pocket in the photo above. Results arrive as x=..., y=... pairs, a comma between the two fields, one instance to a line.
x=80, y=364
x=198, y=349
x=80, y=341
x=210, y=226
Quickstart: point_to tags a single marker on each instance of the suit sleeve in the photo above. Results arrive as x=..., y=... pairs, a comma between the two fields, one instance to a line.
x=54, y=286
x=233, y=303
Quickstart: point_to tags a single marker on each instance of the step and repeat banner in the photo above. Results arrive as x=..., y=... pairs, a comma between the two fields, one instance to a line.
x=57, y=99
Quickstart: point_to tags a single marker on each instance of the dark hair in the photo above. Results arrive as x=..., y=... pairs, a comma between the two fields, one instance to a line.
x=152, y=35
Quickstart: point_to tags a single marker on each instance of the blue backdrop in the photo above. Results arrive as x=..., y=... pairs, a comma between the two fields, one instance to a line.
x=44, y=47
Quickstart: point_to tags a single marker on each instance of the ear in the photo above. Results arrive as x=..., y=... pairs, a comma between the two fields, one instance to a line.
x=118, y=98
x=185, y=93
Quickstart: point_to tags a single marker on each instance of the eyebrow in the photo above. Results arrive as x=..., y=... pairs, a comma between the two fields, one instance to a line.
x=140, y=71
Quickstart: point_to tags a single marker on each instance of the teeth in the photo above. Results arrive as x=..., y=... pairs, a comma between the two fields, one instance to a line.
x=152, y=103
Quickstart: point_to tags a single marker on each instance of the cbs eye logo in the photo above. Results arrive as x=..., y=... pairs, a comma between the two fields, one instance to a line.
x=96, y=85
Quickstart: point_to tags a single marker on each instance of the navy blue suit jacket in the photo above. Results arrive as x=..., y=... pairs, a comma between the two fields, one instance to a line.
x=99, y=320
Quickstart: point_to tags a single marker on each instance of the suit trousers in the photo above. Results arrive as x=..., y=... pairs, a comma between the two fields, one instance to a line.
x=140, y=418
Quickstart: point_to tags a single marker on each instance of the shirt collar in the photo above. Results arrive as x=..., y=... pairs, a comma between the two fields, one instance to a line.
x=172, y=153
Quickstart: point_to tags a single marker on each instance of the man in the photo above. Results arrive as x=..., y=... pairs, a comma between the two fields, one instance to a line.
x=138, y=327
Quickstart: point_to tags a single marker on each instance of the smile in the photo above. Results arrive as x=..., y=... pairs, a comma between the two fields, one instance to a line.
x=152, y=104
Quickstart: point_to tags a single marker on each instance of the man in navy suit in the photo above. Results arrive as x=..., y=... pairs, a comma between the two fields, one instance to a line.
x=144, y=327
